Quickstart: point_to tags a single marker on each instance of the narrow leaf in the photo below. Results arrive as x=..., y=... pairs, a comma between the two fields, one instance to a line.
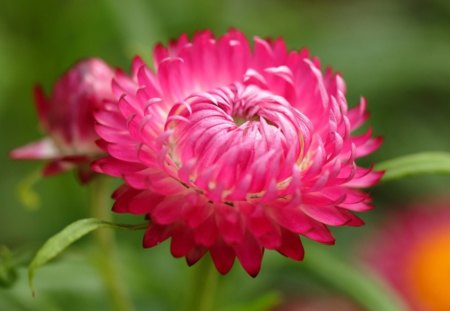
x=73, y=232
x=8, y=273
x=361, y=285
x=424, y=163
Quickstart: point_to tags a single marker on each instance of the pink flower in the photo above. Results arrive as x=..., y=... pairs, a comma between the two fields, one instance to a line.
x=412, y=252
x=67, y=117
x=232, y=150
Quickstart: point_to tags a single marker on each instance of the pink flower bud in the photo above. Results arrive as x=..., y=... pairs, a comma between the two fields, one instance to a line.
x=66, y=116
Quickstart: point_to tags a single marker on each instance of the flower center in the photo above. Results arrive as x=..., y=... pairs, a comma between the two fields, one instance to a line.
x=428, y=271
x=239, y=120
x=250, y=104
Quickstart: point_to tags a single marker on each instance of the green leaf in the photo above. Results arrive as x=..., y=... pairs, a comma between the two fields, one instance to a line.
x=8, y=273
x=416, y=164
x=361, y=285
x=73, y=232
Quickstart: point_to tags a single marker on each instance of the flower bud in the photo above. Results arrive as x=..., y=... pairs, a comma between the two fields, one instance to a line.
x=66, y=116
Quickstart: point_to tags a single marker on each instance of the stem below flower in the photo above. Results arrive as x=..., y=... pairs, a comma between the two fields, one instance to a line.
x=204, y=286
x=107, y=262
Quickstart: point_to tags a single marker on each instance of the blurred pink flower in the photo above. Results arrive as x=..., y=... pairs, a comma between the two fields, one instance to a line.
x=234, y=150
x=412, y=252
x=67, y=117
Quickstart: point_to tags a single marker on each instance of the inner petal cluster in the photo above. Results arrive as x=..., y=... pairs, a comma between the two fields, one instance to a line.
x=234, y=161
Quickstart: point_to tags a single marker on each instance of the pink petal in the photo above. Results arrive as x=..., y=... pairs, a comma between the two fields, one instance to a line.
x=182, y=243
x=223, y=257
x=291, y=246
x=207, y=233
x=168, y=211
x=42, y=106
x=155, y=234
x=57, y=166
x=195, y=254
x=249, y=253
x=320, y=233
x=41, y=150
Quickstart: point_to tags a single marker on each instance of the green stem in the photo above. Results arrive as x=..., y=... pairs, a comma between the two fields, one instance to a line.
x=204, y=286
x=107, y=264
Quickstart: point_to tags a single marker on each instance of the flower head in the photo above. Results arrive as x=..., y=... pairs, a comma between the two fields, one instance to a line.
x=412, y=252
x=232, y=150
x=67, y=117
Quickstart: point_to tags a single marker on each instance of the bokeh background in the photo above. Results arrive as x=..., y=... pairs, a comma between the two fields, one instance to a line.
x=394, y=52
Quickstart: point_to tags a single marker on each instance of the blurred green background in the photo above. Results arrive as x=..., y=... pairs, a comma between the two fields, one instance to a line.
x=394, y=52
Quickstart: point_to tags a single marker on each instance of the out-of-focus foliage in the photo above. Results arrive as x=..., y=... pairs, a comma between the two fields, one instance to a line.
x=8, y=274
x=394, y=52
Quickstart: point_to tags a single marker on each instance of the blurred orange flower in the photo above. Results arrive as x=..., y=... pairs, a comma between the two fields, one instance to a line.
x=412, y=252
